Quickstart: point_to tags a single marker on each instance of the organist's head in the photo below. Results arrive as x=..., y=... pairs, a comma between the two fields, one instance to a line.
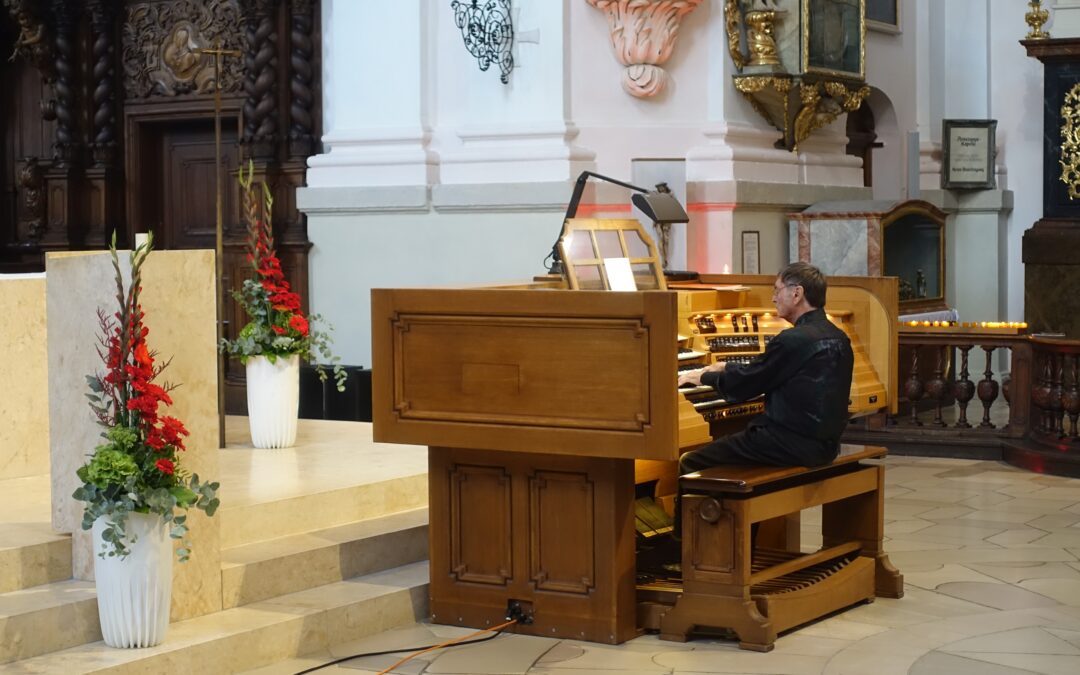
x=799, y=288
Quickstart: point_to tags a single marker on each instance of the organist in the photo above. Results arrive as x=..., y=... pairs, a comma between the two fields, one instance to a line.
x=805, y=375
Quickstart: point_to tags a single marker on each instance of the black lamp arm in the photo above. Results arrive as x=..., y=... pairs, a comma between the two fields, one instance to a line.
x=571, y=211
x=579, y=189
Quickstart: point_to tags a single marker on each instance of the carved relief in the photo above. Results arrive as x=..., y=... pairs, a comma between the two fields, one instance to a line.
x=643, y=34
x=33, y=42
x=160, y=43
x=31, y=181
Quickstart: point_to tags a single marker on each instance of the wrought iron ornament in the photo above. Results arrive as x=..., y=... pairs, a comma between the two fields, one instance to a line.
x=488, y=33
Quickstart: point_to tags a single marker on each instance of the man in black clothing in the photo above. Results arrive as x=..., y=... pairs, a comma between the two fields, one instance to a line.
x=805, y=375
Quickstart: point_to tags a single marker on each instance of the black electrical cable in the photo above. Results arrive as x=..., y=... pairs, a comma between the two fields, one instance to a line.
x=398, y=651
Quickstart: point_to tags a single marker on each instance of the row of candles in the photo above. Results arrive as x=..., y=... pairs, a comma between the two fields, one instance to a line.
x=967, y=324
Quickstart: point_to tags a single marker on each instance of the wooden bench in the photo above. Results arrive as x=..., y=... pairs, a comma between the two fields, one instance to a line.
x=759, y=591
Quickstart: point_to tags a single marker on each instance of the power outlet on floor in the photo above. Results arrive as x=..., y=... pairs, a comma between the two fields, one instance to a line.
x=522, y=610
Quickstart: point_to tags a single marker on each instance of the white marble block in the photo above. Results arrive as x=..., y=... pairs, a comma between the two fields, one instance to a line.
x=24, y=404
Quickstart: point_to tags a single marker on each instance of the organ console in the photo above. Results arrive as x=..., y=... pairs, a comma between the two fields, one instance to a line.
x=543, y=407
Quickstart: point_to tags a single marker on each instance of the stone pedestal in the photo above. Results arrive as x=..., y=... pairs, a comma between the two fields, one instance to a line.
x=1052, y=277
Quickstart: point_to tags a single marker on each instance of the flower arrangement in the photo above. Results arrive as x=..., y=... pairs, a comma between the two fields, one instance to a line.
x=137, y=467
x=277, y=326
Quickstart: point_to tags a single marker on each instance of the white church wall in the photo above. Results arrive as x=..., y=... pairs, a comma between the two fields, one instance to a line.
x=355, y=253
x=427, y=155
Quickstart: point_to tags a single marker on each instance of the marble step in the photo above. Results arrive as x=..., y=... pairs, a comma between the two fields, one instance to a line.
x=46, y=618
x=255, y=635
x=31, y=554
x=261, y=570
x=270, y=519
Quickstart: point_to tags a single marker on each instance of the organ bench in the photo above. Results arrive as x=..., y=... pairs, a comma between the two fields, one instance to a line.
x=760, y=588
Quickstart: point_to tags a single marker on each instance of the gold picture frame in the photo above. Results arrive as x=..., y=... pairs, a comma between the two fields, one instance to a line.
x=834, y=38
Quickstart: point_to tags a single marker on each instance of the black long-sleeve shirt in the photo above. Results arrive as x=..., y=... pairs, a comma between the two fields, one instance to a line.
x=805, y=374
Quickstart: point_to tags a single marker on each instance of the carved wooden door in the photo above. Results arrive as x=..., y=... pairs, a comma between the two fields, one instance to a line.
x=189, y=187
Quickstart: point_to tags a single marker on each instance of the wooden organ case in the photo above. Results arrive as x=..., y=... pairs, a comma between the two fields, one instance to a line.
x=544, y=407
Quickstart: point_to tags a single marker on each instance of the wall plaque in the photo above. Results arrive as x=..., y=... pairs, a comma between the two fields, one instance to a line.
x=967, y=151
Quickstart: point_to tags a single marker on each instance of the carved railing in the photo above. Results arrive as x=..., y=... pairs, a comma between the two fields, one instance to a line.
x=939, y=369
x=955, y=383
x=1055, y=391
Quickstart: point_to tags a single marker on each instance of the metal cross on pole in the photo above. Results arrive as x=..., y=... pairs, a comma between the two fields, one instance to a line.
x=218, y=53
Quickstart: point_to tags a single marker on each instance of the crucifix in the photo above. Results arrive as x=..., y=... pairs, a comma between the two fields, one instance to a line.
x=218, y=53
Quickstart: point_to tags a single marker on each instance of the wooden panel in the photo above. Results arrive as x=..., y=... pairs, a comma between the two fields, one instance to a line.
x=572, y=526
x=505, y=370
x=561, y=512
x=564, y=372
x=480, y=520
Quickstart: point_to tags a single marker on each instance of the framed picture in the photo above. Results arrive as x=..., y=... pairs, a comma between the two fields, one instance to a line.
x=832, y=39
x=883, y=15
x=751, y=261
x=967, y=154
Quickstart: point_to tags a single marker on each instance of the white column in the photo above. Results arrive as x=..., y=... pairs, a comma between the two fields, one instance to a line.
x=376, y=98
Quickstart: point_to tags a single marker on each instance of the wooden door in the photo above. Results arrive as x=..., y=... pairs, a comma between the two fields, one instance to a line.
x=188, y=203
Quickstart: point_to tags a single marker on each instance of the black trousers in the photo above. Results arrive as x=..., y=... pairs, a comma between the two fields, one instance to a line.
x=761, y=442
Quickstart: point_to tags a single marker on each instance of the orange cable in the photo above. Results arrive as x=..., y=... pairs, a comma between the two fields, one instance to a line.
x=450, y=643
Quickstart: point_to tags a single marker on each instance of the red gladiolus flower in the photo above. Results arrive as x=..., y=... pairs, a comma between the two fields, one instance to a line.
x=279, y=330
x=165, y=466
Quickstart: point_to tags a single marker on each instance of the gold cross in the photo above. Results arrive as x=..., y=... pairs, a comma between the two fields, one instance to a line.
x=218, y=53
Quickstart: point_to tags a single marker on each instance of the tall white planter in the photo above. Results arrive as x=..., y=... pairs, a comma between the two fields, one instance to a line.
x=273, y=399
x=134, y=593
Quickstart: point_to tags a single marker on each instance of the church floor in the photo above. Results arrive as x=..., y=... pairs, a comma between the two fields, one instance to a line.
x=990, y=557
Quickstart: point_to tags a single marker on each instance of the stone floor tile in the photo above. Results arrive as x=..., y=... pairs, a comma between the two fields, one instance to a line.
x=741, y=661
x=996, y=595
x=1014, y=573
x=505, y=655
x=939, y=663
x=944, y=574
x=1013, y=537
x=1055, y=521
x=1001, y=515
x=900, y=527
x=1048, y=664
x=1065, y=591
x=1030, y=640
x=946, y=513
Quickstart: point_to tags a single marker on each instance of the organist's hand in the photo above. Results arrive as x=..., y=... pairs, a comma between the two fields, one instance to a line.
x=692, y=378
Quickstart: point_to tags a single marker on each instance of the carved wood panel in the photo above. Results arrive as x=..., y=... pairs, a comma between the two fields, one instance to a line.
x=560, y=512
x=159, y=43
x=480, y=520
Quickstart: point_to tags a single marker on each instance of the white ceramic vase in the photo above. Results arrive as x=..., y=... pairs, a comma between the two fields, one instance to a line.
x=134, y=593
x=273, y=400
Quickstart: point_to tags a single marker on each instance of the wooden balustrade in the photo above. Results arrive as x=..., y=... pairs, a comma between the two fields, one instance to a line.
x=939, y=380
x=1055, y=390
x=955, y=368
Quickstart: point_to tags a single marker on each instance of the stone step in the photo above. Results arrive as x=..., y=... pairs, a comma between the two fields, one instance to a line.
x=255, y=635
x=273, y=519
x=31, y=554
x=261, y=570
x=46, y=618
